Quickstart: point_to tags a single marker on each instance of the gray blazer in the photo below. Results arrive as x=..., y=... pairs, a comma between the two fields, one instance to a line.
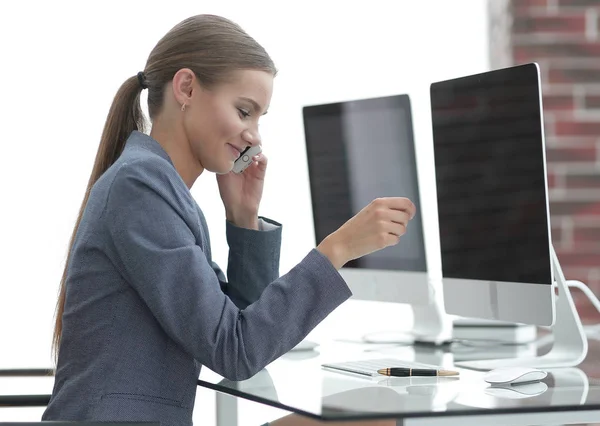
x=146, y=307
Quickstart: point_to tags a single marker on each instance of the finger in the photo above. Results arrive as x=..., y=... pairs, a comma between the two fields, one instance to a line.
x=390, y=239
x=400, y=217
x=403, y=204
x=261, y=161
x=397, y=229
x=393, y=216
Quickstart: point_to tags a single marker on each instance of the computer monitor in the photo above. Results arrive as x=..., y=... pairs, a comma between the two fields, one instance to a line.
x=357, y=151
x=497, y=259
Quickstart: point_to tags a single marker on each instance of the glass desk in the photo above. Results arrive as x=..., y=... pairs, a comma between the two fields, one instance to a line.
x=297, y=383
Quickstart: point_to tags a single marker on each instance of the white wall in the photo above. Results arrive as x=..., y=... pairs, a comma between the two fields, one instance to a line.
x=62, y=62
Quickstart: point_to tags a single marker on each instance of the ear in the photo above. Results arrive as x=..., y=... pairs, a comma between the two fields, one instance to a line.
x=183, y=84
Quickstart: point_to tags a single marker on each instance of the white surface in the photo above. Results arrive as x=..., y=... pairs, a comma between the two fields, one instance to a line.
x=305, y=345
x=26, y=385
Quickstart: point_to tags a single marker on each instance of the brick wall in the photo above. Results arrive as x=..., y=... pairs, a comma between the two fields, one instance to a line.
x=563, y=37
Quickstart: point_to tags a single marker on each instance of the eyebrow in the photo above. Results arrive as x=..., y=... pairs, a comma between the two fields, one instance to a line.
x=255, y=104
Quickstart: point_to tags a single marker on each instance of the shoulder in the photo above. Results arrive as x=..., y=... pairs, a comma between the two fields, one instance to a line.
x=147, y=168
x=146, y=178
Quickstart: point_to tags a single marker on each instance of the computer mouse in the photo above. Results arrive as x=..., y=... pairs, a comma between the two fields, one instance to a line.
x=524, y=390
x=514, y=375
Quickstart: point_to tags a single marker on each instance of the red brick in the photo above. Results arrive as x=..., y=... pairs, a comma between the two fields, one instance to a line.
x=568, y=141
x=594, y=285
x=578, y=3
x=585, y=308
x=557, y=234
x=571, y=74
x=558, y=102
x=578, y=259
x=579, y=274
x=527, y=52
x=577, y=128
x=582, y=180
x=588, y=315
x=551, y=179
x=572, y=154
x=574, y=208
x=549, y=24
x=592, y=101
x=548, y=126
x=589, y=235
x=522, y=6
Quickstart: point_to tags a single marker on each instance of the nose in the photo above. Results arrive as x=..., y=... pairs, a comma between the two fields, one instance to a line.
x=251, y=137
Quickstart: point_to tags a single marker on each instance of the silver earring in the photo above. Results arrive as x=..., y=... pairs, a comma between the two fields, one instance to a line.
x=183, y=108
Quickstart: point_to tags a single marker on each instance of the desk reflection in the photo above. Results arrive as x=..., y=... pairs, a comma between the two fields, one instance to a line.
x=298, y=383
x=562, y=387
x=347, y=394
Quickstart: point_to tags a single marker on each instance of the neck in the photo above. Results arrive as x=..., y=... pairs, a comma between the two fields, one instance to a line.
x=177, y=146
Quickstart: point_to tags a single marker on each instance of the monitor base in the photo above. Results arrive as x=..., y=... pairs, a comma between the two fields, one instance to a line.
x=499, y=332
x=431, y=325
x=570, y=342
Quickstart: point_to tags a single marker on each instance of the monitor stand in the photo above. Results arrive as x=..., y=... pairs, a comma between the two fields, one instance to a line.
x=431, y=324
x=570, y=342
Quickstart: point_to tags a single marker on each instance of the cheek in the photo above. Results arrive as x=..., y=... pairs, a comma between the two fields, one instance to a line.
x=211, y=126
x=228, y=125
x=217, y=126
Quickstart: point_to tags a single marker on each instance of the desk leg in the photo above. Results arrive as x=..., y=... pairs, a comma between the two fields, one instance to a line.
x=227, y=410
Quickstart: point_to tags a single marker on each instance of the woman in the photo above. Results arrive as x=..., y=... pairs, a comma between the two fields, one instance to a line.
x=142, y=307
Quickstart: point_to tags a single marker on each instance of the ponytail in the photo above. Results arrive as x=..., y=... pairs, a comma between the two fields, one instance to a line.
x=124, y=117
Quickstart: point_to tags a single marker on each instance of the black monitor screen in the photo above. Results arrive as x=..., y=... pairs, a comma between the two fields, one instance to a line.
x=490, y=175
x=358, y=151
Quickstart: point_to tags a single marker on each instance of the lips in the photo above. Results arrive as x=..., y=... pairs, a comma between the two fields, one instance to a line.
x=234, y=151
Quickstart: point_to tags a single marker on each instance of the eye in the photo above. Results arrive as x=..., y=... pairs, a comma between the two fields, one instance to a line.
x=243, y=113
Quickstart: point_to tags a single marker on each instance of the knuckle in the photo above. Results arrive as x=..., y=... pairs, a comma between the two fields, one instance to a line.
x=382, y=239
x=379, y=213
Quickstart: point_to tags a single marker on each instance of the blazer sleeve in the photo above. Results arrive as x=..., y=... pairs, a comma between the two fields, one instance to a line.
x=157, y=253
x=253, y=261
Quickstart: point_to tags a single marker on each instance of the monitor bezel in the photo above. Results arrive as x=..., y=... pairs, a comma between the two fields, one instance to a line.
x=535, y=303
x=400, y=101
x=413, y=287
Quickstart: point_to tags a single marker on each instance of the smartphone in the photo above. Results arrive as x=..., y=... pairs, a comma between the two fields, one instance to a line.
x=245, y=158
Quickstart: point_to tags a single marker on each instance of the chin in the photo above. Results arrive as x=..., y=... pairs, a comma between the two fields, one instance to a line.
x=223, y=169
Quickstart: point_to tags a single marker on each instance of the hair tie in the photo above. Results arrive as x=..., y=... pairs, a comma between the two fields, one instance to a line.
x=142, y=80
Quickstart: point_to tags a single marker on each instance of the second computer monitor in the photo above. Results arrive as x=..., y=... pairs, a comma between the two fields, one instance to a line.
x=358, y=151
x=492, y=196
